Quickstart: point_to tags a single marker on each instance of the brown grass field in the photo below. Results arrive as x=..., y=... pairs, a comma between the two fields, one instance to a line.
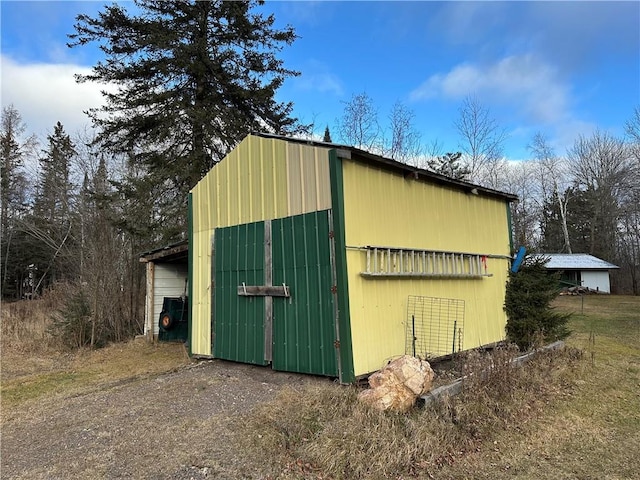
x=573, y=414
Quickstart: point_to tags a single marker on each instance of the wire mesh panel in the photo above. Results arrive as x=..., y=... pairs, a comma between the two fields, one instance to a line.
x=434, y=326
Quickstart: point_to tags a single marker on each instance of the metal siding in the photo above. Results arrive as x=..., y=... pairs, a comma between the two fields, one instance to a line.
x=149, y=312
x=169, y=281
x=303, y=326
x=379, y=308
x=200, y=287
x=384, y=208
x=249, y=185
x=294, y=180
x=239, y=325
x=510, y=227
x=308, y=179
x=596, y=280
x=323, y=180
x=308, y=170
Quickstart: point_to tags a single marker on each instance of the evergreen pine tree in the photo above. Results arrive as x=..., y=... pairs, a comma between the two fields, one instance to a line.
x=327, y=135
x=580, y=226
x=51, y=225
x=194, y=78
x=13, y=201
x=53, y=200
x=529, y=294
x=450, y=166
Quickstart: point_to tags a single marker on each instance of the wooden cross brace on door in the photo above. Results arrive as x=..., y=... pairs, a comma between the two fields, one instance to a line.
x=264, y=290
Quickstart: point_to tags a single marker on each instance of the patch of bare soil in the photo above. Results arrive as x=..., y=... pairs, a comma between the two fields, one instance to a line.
x=177, y=425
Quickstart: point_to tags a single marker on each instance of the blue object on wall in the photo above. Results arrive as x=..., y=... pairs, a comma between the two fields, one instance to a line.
x=518, y=261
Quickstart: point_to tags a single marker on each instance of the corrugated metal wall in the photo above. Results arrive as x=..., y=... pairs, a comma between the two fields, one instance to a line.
x=301, y=331
x=304, y=329
x=596, y=280
x=383, y=208
x=261, y=179
x=239, y=321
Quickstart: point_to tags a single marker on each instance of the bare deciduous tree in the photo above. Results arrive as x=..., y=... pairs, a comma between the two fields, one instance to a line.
x=481, y=141
x=632, y=128
x=405, y=138
x=629, y=227
x=603, y=171
x=525, y=213
x=14, y=187
x=435, y=148
x=359, y=124
x=552, y=175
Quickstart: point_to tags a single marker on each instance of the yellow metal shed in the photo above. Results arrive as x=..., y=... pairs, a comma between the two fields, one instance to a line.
x=321, y=258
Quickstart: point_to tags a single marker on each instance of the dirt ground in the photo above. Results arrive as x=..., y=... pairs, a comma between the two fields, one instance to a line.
x=177, y=425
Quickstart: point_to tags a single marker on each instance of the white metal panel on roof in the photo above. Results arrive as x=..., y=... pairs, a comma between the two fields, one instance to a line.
x=576, y=261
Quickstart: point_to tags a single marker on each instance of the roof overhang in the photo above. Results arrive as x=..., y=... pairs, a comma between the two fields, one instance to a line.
x=408, y=171
x=174, y=253
x=575, y=261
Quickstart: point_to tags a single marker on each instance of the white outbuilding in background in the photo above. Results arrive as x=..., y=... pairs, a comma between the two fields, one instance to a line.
x=581, y=269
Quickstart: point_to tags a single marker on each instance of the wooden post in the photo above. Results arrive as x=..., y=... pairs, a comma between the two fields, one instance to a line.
x=268, y=300
x=150, y=314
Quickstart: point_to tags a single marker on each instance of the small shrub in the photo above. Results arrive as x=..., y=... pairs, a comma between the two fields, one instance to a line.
x=491, y=370
x=72, y=323
x=529, y=294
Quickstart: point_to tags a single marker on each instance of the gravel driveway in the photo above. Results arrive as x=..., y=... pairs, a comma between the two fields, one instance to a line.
x=174, y=426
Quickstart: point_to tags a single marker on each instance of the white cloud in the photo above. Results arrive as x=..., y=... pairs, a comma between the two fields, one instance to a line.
x=316, y=76
x=322, y=82
x=566, y=133
x=575, y=35
x=309, y=12
x=523, y=81
x=467, y=22
x=45, y=93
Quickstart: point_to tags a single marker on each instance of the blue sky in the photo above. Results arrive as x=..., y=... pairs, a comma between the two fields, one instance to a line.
x=562, y=68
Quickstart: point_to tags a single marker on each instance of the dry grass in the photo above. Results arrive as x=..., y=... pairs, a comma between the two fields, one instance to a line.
x=327, y=432
x=567, y=414
x=35, y=366
x=25, y=325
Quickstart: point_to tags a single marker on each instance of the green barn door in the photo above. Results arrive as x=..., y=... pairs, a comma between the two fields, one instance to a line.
x=304, y=333
x=239, y=258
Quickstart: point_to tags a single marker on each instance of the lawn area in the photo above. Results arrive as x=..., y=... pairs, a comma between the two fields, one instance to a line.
x=592, y=431
x=614, y=319
x=28, y=378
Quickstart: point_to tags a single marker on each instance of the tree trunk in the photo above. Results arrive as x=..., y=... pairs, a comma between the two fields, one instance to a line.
x=562, y=203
